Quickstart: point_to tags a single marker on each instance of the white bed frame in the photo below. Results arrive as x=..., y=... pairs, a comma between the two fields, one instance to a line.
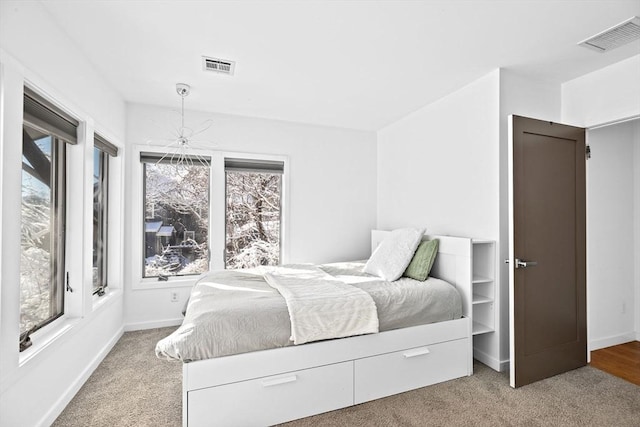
x=274, y=386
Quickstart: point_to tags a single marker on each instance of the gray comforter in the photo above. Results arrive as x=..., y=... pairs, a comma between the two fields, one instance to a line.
x=236, y=311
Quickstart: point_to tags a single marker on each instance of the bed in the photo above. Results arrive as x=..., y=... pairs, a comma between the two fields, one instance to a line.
x=236, y=381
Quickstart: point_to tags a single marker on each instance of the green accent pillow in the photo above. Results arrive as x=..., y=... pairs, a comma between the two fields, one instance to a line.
x=422, y=260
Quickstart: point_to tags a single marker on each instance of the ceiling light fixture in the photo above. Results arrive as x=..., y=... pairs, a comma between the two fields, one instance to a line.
x=180, y=151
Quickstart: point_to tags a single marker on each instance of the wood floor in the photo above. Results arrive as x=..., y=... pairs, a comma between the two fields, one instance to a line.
x=620, y=360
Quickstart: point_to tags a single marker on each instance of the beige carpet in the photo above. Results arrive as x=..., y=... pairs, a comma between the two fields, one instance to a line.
x=131, y=387
x=134, y=388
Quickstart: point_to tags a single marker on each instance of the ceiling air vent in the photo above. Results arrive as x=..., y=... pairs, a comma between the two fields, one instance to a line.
x=614, y=37
x=218, y=65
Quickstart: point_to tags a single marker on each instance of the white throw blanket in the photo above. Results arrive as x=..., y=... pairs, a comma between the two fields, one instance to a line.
x=321, y=306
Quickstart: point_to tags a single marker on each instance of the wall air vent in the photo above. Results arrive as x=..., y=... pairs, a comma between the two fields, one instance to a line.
x=614, y=37
x=218, y=65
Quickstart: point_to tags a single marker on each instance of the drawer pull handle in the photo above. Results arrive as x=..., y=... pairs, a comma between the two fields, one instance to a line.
x=278, y=381
x=417, y=352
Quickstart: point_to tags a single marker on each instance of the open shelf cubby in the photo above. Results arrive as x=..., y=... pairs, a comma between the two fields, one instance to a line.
x=484, y=286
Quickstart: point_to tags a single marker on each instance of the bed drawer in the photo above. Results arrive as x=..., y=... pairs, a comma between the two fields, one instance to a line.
x=392, y=373
x=274, y=399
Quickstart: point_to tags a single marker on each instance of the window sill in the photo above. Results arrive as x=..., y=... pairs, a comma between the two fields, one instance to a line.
x=109, y=295
x=47, y=336
x=173, y=282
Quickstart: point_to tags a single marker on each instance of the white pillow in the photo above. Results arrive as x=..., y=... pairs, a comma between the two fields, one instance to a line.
x=392, y=256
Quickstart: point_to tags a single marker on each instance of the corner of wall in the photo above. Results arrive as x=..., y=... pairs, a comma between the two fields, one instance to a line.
x=606, y=95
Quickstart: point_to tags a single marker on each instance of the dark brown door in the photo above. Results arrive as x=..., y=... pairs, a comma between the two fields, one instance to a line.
x=547, y=256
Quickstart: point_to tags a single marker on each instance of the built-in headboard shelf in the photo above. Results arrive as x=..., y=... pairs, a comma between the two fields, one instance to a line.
x=453, y=263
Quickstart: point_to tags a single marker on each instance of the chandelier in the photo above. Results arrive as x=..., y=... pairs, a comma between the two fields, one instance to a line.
x=181, y=149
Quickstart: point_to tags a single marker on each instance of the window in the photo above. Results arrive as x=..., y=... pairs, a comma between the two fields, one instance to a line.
x=253, y=212
x=176, y=217
x=102, y=150
x=46, y=132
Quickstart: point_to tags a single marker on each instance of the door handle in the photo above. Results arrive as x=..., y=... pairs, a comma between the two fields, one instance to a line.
x=525, y=264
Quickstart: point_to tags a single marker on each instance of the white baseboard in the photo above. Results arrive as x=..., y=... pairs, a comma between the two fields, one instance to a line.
x=139, y=326
x=75, y=386
x=599, y=343
x=490, y=361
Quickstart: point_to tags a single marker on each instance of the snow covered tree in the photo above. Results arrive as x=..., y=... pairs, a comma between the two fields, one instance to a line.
x=253, y=219
x=178, y=198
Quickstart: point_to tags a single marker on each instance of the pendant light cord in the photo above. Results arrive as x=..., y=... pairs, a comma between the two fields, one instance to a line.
x=182, y=114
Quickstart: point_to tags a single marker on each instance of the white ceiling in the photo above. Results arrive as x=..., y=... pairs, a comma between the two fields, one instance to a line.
x=352, y=64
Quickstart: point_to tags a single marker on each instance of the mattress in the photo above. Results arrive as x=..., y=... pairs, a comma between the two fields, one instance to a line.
x=236, y=311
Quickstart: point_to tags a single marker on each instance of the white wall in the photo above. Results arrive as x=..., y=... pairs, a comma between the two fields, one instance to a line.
x=331, y=191
x=438, y=167
x=612, y=219
x=609, y=94
x=34, y=390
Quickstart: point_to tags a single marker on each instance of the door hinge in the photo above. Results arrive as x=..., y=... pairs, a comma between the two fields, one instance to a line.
x=588, y=152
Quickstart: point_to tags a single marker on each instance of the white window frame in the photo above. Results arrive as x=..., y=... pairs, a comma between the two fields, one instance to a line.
x=71, y=304
x=115, y=216
x=217, y=213
x=112, y=160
